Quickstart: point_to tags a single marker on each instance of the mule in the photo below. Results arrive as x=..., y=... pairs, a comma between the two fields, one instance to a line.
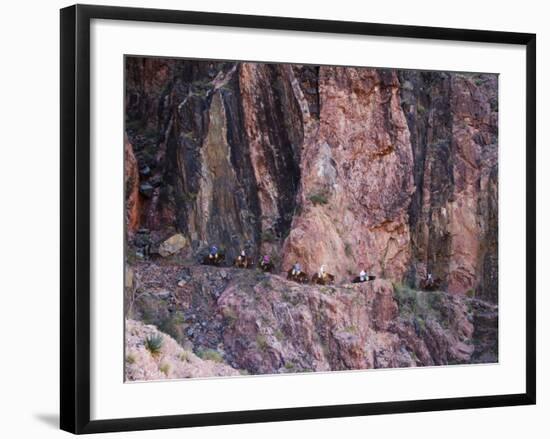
x=214, y=260
x=357, y=279
x=266, y=267
x=432, y=285
x=301, y=277
x=243, y=262
x=326, y=279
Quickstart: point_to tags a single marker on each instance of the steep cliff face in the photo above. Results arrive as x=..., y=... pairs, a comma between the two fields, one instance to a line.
x=453, y=122
x=391, y=171
x=356, y=178
x=273, y=123
x=262, y=323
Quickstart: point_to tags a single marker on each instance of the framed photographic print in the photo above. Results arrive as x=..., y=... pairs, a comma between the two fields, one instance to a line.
x=304, y=218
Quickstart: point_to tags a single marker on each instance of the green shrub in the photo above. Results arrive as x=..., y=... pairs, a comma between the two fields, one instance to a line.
x=190, y=196
x=421, y=323
x=261, y=341
x=268, y=236
x=185, y=356
x=165, y=368
x=130, y=358
x=471, y=293
x=351, y=329
x=210, y=355
x=419, y=305
x=153, y=343
x=230, y=316
x=279, y=335
x=318, y=198
x=348, y=249
x=173, y=325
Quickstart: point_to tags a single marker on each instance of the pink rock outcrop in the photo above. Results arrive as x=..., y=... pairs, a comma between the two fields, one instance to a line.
x=356, y=180
x=454, y=212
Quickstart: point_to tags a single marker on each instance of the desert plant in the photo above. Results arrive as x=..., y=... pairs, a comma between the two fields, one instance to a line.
x=261, y=341
x=230, y=316
x=421, y=324
x=131, y=358
x=210, y=355
x=479, y=81
x=418, y=304
x=352, y=329
x=190, y=196
x=268, y=236
x=279, y=335
x=165, y=368
x=348, y=250
x=185, y=356
x=153, y=343
x=318, y=198
x=289, y=365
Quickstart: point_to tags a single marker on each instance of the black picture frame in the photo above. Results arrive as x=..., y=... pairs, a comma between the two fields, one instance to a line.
x=75, y=217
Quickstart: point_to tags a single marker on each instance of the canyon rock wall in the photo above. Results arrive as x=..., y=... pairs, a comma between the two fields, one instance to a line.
x=453, y=123
x=356, y=178
x=262, y=323
x=392, y=171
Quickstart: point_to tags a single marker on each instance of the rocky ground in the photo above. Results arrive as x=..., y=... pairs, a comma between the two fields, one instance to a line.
x=260, y=323
x=170, y=360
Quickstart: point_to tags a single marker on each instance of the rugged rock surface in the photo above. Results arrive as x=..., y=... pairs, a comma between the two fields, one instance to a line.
x=392, y=171
x=263, y=323
x=356, y=178
x=453, y=121
x=172, y=361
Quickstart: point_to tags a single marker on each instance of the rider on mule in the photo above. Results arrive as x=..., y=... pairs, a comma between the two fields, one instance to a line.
x=213, y=252
x=243, y=261
x=296, y=274
x=265, y=263
x=214, y=257
x=322, y=277
x=363, y=277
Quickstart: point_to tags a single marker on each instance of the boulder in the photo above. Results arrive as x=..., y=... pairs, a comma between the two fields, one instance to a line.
x=172, y=245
